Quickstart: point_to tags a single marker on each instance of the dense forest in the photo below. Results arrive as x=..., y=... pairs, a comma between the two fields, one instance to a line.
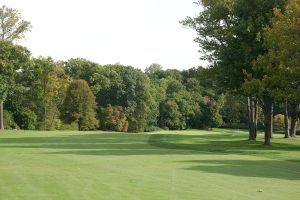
x=81, y=94
x=252, y=81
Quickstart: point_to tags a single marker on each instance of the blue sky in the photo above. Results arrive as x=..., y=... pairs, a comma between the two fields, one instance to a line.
x=131, y=32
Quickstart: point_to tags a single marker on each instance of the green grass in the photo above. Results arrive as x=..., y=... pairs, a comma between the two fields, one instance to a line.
x=181, y=165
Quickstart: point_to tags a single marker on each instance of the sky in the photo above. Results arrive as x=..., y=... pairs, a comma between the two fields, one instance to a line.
x=129, y=32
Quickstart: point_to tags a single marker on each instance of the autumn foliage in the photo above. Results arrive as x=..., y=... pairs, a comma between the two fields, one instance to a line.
x=115, y=119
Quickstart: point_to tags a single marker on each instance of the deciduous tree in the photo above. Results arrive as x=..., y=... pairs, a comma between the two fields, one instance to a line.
x=12, y=27
x=12, y=59
x=79, y=106
x=228, y=35
x=48, y=84
x=281, y=63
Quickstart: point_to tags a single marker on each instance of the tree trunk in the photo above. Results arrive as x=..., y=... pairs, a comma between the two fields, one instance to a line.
x=268, y=119
x=249, y=117
x=293, y=127
x=252, y=118
x=79, y=121
x=255, y=116
x=272, y=123
x=294, y=119
x=1, y=117
x=45, y=114
x=286, y=121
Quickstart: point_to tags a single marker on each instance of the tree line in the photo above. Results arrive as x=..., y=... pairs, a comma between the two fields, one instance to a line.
x=253, y=48
x=45, y=94
x=40, y=93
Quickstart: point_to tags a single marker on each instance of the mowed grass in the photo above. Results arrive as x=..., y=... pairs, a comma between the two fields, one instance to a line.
x=179, y=165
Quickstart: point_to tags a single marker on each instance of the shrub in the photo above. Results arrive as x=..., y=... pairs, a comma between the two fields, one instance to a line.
x=26, y=119
x=278, y=121
x=71, y=127
x=114, y=119
x=8, y=119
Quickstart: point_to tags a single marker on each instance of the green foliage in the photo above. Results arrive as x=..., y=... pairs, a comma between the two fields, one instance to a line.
x=12, y=26
x=170, y=116
x=12, y=59
x=210, y=99
x=48, y=83
x=153, y=69
x=64, y=126
x=280, y=64
x=249, y=51
x=130, y=88
x=179, y=107
x=234, y=112
x=210, y=113
x=278, y=121
x=79, y=68
x=140, y=107
x=9, y=122
x=79, y=106
x=228, y=34
x=180, y=99
x=26, y=118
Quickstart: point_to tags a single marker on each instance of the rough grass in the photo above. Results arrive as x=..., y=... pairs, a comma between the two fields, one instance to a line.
x=179, y=165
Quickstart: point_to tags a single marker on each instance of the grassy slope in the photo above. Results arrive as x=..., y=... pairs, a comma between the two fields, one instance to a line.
x=166, y=165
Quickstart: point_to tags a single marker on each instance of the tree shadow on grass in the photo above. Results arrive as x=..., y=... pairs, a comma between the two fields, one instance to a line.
x=140, y=144
x=221, y=144
x=204, y=143
x=280, y=166
x=116, y=144
x=147, y=144
x=75, y=139
x=248, y=168
x=91, y=144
